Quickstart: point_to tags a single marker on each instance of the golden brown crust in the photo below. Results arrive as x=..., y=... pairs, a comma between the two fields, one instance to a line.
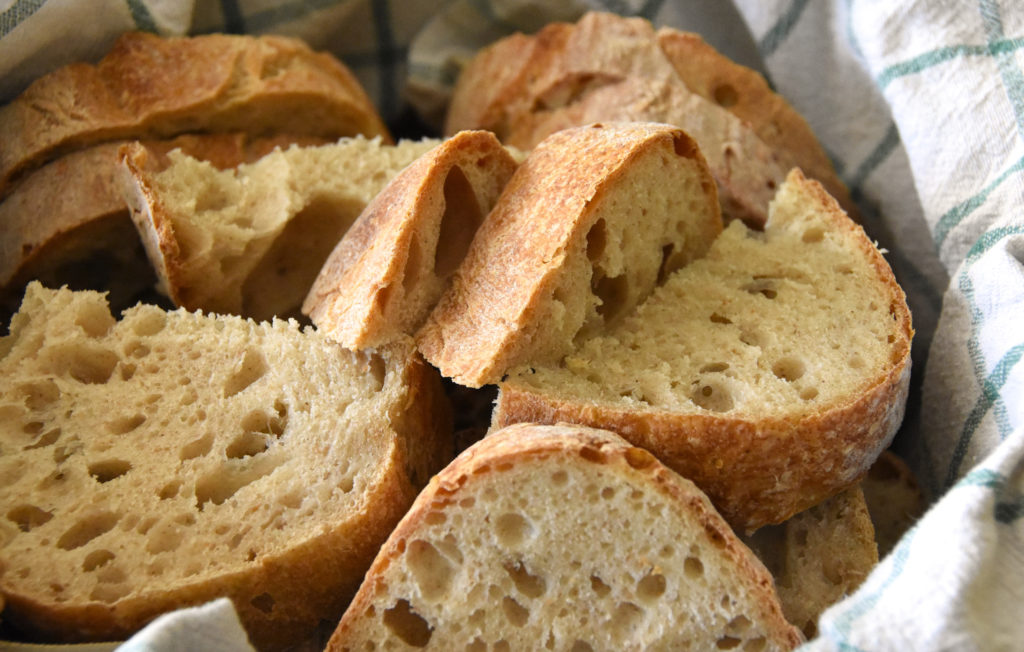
x=385, y=275
x=153, y=87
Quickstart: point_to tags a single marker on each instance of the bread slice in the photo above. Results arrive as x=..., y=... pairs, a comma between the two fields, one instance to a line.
x=383, y=278
x=819, y=556
x=771, y=372
x=251, y=240
x=67, y=222
x=154, y=87
x=894, y=499
x=610, y=68
x=563, y=538
x=588, y=225
x=746, y=94
x=170, y=458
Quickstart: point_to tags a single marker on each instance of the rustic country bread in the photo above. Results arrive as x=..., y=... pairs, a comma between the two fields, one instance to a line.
x=383, y=278
x=746, y=94
x=154, y=87
x=772, y=372
x=610, y=68
x=894, y=498
x=251, y=240
x=818, y=556
x=563, y=538
x=170, y=458
x=588, y=225
x=67, y=222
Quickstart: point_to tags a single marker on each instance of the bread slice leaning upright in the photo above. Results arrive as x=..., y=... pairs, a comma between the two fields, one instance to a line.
x=171, y=458
x=586, y=228
x=772, y=372
x=563, y=538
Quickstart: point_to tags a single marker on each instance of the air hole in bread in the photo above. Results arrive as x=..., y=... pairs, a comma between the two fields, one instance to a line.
x=714, y=367
x=597, y=240
x=809, y=393
x=651, y=587
x=111, y=574
x=515, y=613
x=378, y=371
x=559, y=478
x=197, y=447
x=86, y=529
x=752, y=337
x=712, y=396
x=253, y=367
x=531, y=586
x=693, y=568
x=763, y=286
x=32, y=427
x=432, y=571
x=88, y=364
x=638, y=458
x=136, y=349
x=789, y=368
x=476, y=645
x=125, y=424
x=146, y=323
x=725, y=95
x=264, y=602
x=728, y=643
x=247, y=444
x=107, y=470
x=813, y=234
x=407, y=625
x=48, y=438
x=592, y=454
x=719, y=319
x=166, y=537
x=462, y=217
x=39, y=395
x=94, y=318
x=512, y=530
x=855, y=361
x=28, y=517
x=625, y=619
x=612, y=291
x=169, y=490
x=221, y=484
x=109, y=593
x=96, y=559
x=581, y=646
x=671, y=261
x=502, y=645
x=598, y=586
x=411, y=274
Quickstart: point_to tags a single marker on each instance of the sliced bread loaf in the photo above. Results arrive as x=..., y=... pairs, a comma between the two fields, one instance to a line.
x=772, y=372
x=149, y=86
x=251, y=240
x=563, y=538
x=383, y=278
x=588, y=225
x=170, y=458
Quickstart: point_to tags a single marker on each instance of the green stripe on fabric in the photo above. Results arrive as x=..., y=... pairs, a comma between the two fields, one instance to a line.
x=141, y=16
x=286, y=12
x=890, y=141
x=1007, y=509
x=990, y=389
x=983, y=478
x=776, y=36
x=927, y=60
x=958, y=213
x=1009, y=71
x=16, y=13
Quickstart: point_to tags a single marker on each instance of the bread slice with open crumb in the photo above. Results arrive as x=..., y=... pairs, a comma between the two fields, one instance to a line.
x=588, y=225
x=170, y=458
x=772, y=372
x=563, y=538
x=387, y=273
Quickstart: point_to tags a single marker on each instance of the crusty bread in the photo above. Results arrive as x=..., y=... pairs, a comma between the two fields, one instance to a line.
x=588, y=225
x=771, y=372
x=563, y=538
x=153, y=87
x=170, y=458
x=251, y=240
x=610, y=68
x=818, y=556
x=894, y=498
x=387, y=273
x=67, y=222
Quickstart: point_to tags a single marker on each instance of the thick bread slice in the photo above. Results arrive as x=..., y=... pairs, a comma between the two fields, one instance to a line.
x=588, y=225
x=771, y=372
x=251, y=240
x=67, y=222
x=154, y=87
x=170, y=458
x=818, y=556
x=747, y=95
x=610, y=68
x=563, y=538
x=383, y=278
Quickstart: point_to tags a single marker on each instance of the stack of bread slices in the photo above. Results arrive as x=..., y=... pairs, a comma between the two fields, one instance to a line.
x=628, y=243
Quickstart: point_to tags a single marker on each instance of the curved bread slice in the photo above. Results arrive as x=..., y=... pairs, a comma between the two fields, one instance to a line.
x=772, y=372
x=149, y=86
x=894, y=498
x=588, y=225
x=747, y=95
x=171, y=458
x=562, y=537
x=251, y=240
x=819, y=556
x=381, y=281
x=67, y=223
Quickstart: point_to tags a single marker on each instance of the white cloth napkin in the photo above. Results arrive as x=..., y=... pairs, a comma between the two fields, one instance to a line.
x=921, y=105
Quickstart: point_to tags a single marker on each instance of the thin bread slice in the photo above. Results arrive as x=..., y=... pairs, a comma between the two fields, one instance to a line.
x=170, y=458
x=149, y=86
x=819, y=556
x=588, y=225
x=251, y=240
x=894, y=498
x=67, y=223
x=387, y=273
x=772, y=372
x=563, y=537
